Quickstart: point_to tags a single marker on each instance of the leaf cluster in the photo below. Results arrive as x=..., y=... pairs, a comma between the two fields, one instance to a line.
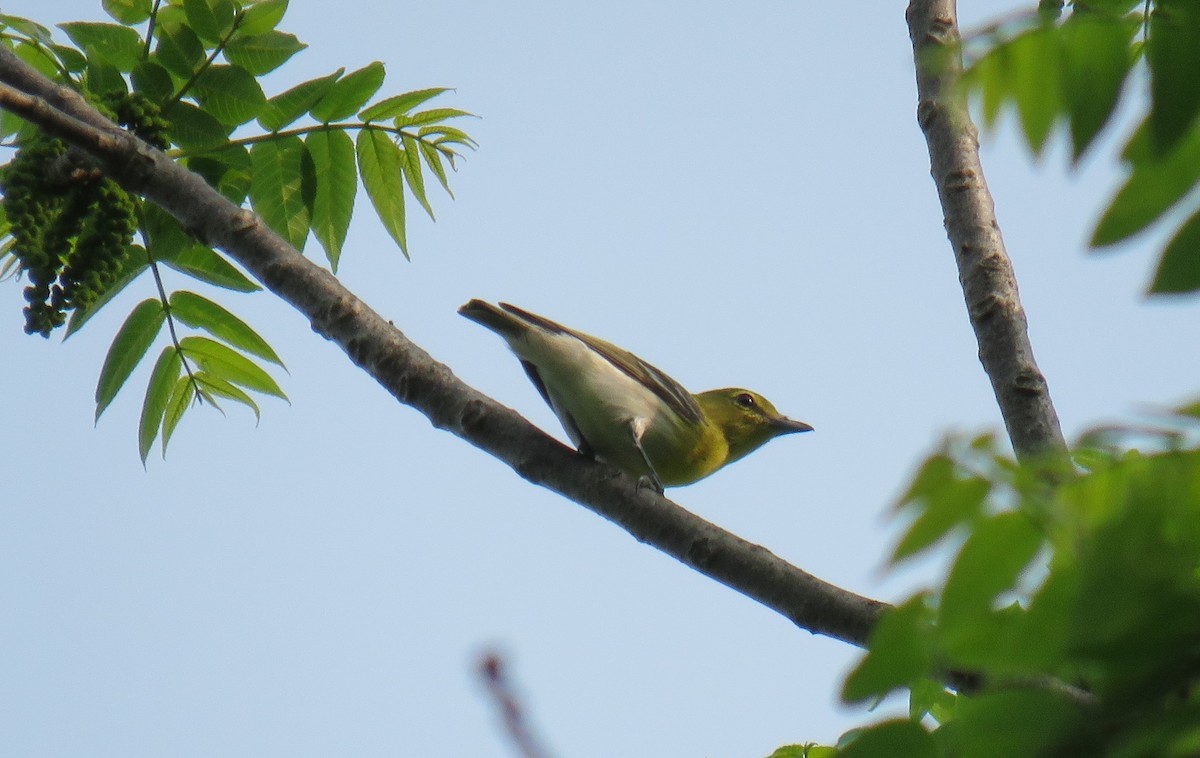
x=1075, y=70
x=1072, y=600
x=185, y=76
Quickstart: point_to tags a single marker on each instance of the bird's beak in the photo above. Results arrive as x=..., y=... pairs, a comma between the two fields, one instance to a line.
x=785, y=425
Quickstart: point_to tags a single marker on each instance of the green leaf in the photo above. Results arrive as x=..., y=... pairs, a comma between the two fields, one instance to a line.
x=262, y=53
x=30, y=29
x=201, y=313
x=989, y=563
x=431, y=116
x=433, y=159
x=449, y=134
x=129, y=346
x=349, y=93
x=1174, y=58
x=1035, y=60
x=230, y=94
x=194, y=129
x=230, y=365
x=398, y=104
x=1179, y=268
x=132, y=266
x=128, y=12
x=212, y=20
x=104, y=78
x=892, y=739
x=179, y=50
x=337, y=183
x=207, y=265
x=71, y=59
x=1096, y=61
x=1012, y=723
x=163, y=379
x=263, y=17
x=380, y=164
x=215, y=385
x=153, y=81
x=412, y=172
x=182, y=395
x=116, y=45
x=281, y=187
x=228, y=171
x=1155, y=185
x=900, y=652
x=285, y=108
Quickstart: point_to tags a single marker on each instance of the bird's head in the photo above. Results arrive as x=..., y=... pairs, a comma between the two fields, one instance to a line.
x=747, y=419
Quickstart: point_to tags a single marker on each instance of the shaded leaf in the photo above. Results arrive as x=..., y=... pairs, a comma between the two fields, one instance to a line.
x=179, y=50
x=153, y=81
x=201, y=313
x=1155, y=185
x=230, y=94
x=380, y=164
x=194, y=129
x=212, y=20
x=285, y=108
x=132, y=266
x=1036, y=84
x=891, y=739
x=230, y=365
x=132, y=341
x=1179, y=268
x=337, y=183
x=1174, y=58
x=163, y=379
x=349, y=93
x=228, y=171
x=900, y=652
x=281, y=187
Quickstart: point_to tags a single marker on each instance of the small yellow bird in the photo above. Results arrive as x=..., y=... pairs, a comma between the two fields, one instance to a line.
x=619, y=408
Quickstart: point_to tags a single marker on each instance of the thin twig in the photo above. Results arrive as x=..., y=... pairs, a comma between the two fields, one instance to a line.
x=493, y=672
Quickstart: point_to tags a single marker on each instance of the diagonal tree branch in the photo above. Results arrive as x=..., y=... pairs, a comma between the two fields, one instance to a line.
x=416, y=379
x=984, y=268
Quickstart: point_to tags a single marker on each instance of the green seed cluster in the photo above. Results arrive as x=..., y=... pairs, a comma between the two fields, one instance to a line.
x=71, y=226
x=140, y=115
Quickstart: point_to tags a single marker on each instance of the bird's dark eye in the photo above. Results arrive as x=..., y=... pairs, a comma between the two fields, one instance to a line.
x=744, y=399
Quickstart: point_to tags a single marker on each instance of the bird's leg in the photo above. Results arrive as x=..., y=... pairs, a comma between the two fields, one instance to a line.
x=638, y=427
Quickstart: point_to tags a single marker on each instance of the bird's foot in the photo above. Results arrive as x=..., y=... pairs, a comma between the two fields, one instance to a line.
x=651, y=481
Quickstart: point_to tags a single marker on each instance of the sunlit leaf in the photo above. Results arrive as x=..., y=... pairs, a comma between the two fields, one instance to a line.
x=215, y=385
x=262, y=17
x=380, y=164
x=179, y=50
x=230, y=365
x=201, y=313
x=337, y=183
x=163, y=379
x=182, y=395
x=127, y=11
x=212, y=20
x=349, y=93
x=116, y=45
x=132, y=341
x=397, y=104
x=412, y=173
x=262, y=53
x=282, y=186
x=285, y=108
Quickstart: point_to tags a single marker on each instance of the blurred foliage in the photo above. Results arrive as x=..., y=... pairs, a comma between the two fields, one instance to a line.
x=1075, y=68
x=184, y=76
x=1073, y=602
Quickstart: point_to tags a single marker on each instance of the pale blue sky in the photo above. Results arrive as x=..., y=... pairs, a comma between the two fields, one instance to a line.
x=740, y=198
